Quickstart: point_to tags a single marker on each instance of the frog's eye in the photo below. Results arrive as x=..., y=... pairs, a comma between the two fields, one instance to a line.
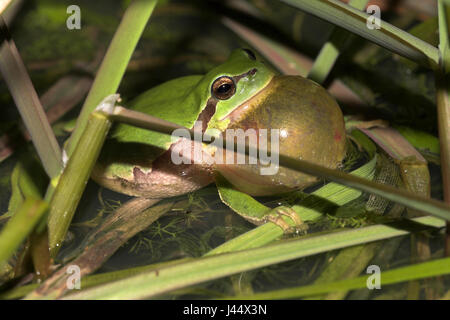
x=223, y=88
x=250, y=54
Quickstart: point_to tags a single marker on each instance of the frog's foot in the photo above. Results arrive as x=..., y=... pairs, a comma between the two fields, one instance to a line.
x=276, y=216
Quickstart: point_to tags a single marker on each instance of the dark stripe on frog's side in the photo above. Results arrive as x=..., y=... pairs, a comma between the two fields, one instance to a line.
x=207, y=113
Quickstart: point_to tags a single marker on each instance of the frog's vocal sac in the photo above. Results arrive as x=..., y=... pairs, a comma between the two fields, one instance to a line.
x=242, y=93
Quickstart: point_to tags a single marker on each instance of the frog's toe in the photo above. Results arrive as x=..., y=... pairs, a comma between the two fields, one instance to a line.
x=276, y=216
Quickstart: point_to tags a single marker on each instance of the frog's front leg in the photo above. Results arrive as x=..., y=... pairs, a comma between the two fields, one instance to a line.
x=255, y=212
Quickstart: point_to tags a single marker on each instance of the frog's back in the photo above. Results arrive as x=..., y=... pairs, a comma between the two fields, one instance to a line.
x=171, y=101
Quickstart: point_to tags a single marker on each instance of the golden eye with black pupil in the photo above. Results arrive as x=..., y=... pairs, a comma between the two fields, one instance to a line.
x=223, y=88
x=250, y=54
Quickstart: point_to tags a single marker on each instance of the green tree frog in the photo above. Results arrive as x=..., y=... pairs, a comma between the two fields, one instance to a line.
x=242, y=93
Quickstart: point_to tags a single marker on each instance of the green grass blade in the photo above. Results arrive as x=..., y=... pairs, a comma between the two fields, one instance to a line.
x=20, y=226
x=27, y=101
x=73, y=180
x=421, y=140
x=331, y=50
x=150, y=284
x=388, y=36
x=106, y=83
x=115, y=62
x=414, y=272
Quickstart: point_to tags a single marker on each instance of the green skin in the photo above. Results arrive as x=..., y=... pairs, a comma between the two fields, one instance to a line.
x=137, y=162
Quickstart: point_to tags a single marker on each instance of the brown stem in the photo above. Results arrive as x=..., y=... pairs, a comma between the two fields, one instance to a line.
x=443, y=112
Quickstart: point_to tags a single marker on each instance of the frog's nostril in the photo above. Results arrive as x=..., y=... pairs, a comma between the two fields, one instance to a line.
x=247, y=74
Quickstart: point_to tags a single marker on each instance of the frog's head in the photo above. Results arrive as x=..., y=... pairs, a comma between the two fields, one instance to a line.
x=232, y=83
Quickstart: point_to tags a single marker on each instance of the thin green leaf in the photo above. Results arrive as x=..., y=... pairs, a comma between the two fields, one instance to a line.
x=421, y=140
x=20, y=226
x=74, y=178
x=414, y=272
x=388, y=36
x=27, y=180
